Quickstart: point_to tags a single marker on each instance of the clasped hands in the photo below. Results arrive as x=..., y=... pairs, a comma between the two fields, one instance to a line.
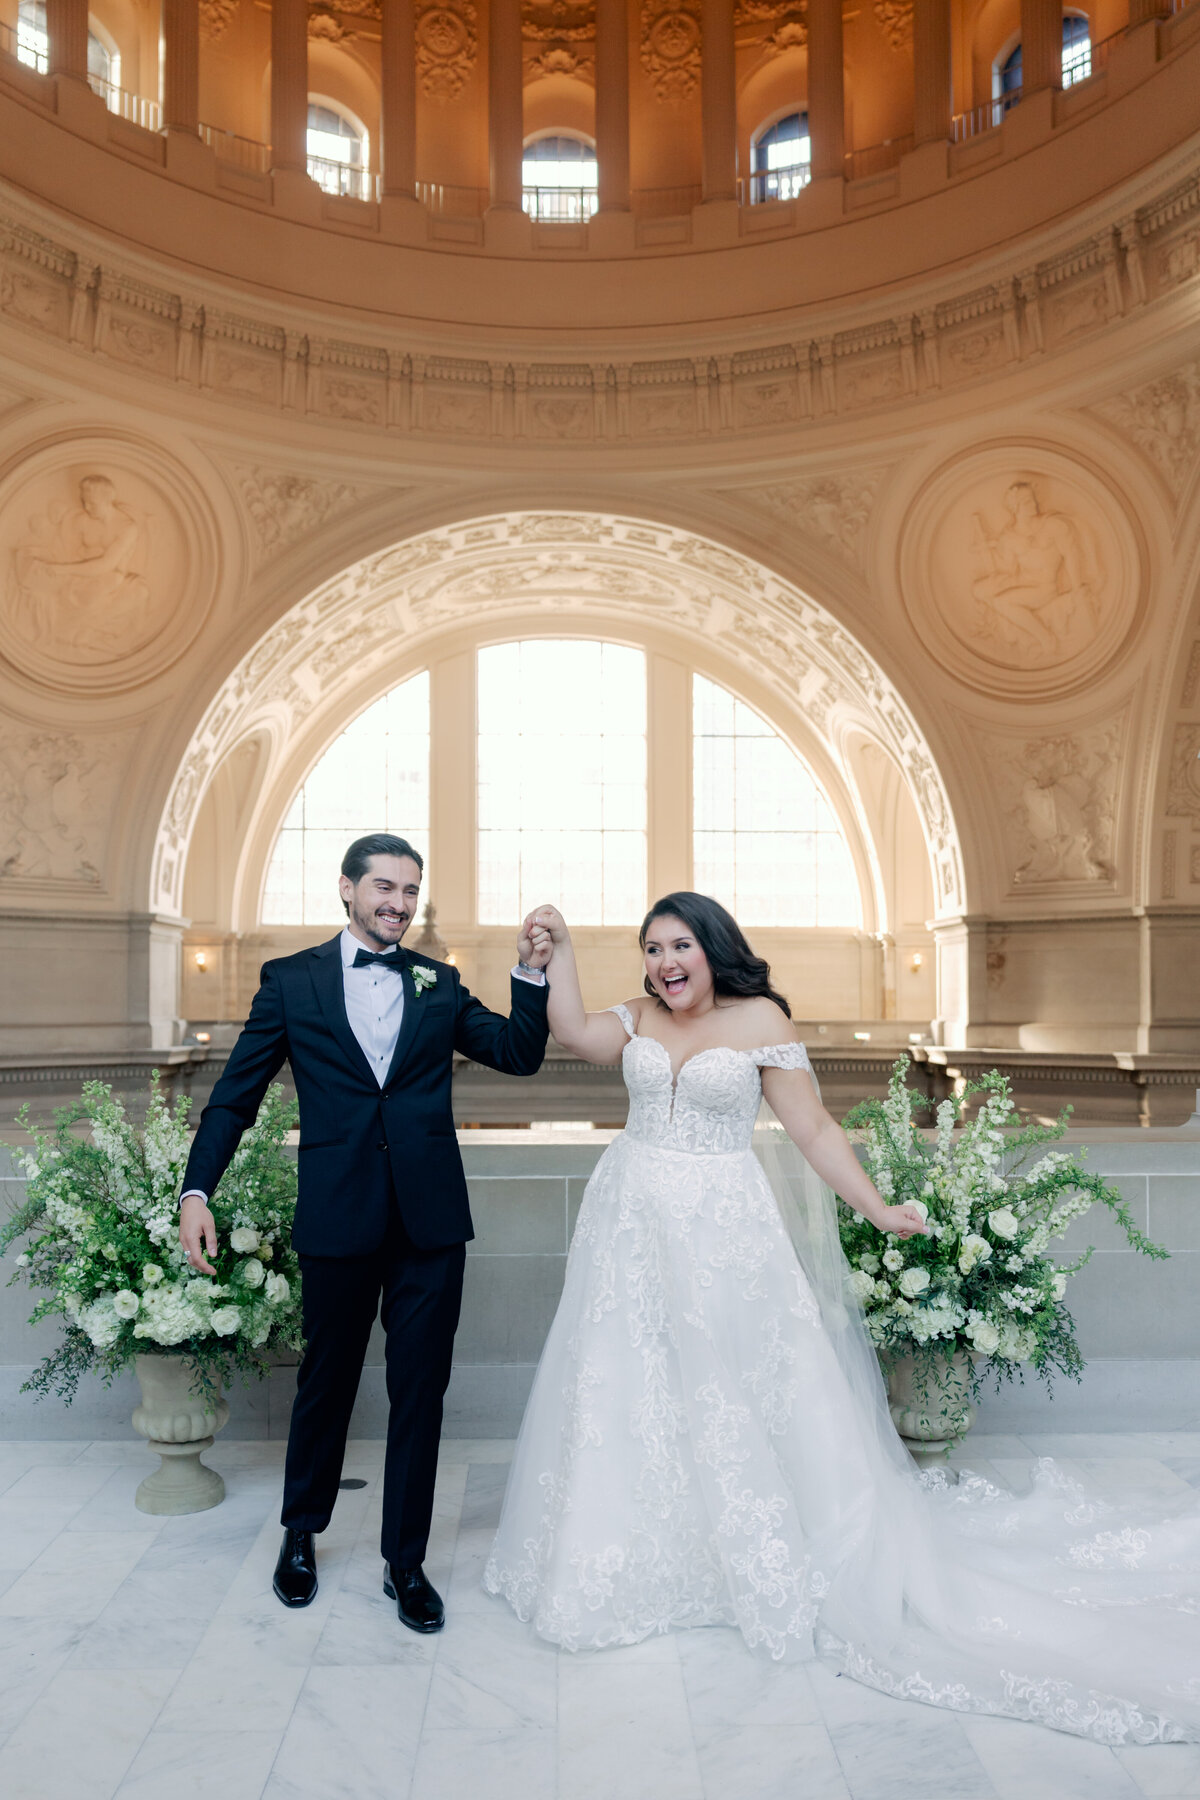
x=541, y=930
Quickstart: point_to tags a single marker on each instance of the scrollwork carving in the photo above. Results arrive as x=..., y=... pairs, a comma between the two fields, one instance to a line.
x=1183, y=782
x=284, y=506
x=447, y=45
x=896, y=21
x=215, y=17
x=670, y=47
x=1163, y=419
x=834, y=510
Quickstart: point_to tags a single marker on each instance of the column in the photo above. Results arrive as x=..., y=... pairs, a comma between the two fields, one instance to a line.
x=932, y=106
x=826, y=95
x=67, y=30
x=718, y=101
x=181, y=64
x=1041, y=44
x=289, y=85
x=506, y=103
x=399, y=98
x=612, y=104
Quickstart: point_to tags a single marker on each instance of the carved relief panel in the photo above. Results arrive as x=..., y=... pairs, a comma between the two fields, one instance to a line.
x=1058, y=794
x=57, y=793
x=1021, y=572
x=107, y=565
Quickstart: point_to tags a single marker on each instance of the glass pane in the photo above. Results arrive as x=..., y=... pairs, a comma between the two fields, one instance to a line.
x=374, y=777
x=562, y=780
x=766, y=841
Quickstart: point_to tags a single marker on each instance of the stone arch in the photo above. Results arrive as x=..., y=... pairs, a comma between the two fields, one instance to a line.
x=356, y=633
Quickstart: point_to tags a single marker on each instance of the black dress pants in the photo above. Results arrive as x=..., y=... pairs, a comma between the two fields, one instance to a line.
x=421, y=1292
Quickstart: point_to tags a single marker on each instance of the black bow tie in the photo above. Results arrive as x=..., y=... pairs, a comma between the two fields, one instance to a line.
x=389, y=959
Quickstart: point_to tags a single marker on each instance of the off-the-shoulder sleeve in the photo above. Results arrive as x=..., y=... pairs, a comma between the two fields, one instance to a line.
x=626, y=1017
x=782, y=1056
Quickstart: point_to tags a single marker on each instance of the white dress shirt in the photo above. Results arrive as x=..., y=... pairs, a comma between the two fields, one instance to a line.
x=375, y=1007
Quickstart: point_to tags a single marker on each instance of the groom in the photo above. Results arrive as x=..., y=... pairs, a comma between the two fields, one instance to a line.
x=370, y=1032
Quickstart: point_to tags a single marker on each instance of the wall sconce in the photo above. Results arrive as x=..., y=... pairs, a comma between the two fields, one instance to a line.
x=862, y=1037
x=915, y=961
x=203, y=1037
x=452, y=959
x=201, y=960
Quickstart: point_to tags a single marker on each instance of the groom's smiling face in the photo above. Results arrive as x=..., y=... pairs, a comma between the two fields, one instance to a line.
x=383, y=901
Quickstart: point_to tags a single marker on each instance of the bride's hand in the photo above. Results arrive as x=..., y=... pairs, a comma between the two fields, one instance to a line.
x=903, y=1221
x=540, y=931
x=551, y=920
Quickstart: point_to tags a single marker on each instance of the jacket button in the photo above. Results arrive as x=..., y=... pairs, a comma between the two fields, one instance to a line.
x=381, y=1146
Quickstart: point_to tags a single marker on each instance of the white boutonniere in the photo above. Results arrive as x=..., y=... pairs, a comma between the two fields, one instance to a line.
x=423, y=977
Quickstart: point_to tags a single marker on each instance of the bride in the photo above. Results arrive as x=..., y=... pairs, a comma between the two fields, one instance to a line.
x=707, y=1440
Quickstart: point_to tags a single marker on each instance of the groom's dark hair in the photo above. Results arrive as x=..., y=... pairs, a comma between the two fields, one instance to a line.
x=357, y=859
x=736, y=971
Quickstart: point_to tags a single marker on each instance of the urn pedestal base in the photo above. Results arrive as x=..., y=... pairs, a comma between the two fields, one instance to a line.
x=180, y=1424
x=930, y=1405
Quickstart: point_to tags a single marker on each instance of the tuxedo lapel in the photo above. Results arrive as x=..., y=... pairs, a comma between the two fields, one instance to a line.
x=410, y=1024
x=331, y=997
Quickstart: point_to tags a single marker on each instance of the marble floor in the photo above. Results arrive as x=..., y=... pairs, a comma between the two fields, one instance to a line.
x=147, y=1659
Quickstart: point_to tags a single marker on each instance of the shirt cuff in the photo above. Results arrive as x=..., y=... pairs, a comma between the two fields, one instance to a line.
x=535, y=977
x=199, y=1193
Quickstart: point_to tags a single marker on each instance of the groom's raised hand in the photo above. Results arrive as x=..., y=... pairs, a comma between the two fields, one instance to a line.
x=536, y=940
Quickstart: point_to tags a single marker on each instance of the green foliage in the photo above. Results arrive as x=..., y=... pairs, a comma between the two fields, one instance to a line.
x=983, y=1280
x=99, y=1237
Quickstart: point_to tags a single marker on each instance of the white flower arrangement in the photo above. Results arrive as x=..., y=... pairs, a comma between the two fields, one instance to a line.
x=982, y=1281
x=101, y=1222
x=423, y=976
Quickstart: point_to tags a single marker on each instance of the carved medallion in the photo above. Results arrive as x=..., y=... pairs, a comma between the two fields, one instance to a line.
x=102, y=552
x=447, y=44
x=671, y=47
x=1021, y=574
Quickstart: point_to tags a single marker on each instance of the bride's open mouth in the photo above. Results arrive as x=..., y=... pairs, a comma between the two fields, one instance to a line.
x=674, y=984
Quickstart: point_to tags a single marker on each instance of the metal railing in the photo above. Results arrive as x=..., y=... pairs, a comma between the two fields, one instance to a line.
x=983, y=118
x=560, y=205
x=346, y=179
x=134, y=107
x=447, y=200
x=778, y=184
x=242, y=152
x=876, y=159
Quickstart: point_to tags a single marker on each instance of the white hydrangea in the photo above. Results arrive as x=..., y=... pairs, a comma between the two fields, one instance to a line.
x=244, y=1239
x=100, y=1322
x=252, y=1273
x=1058, y=1286
x=914, y=1282
x=869, y=1264
x=168, y=1316
x=126, y=1303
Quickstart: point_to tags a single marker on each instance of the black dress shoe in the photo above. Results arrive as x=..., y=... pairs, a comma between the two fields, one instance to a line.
x=296, y=1571
x=418, y=1604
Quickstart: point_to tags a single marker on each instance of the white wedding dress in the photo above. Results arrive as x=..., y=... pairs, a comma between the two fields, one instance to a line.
x=696, y=1452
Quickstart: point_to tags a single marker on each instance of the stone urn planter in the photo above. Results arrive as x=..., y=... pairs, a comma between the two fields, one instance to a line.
x=180, y=1424
x=930, y=1404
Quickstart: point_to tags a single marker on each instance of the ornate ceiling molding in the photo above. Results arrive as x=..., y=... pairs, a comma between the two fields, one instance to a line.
x=654, y=576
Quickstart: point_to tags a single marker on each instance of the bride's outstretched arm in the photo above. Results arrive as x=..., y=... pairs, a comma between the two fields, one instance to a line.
x=597, y=1037
x=793, y=1099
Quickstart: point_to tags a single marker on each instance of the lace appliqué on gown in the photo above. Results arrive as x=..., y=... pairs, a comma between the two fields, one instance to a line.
x=691, y=1455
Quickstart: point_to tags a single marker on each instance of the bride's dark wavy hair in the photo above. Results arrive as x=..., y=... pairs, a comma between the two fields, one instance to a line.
x=737, y=973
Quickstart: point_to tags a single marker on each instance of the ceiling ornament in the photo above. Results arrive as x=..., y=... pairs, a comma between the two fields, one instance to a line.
x=325, y=27
x=1163, y=419
x=348, y=636
x=284, y=506
x=896, y=21
x=788, y=20
x=447, y=45
x=833, y=510
x=671, y=47
x=215, y=17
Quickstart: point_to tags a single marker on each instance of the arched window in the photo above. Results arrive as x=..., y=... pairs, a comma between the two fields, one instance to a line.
x=33, y=46
x=1076, y=60
x=782, y=159
x=562, y=780
x=560, y=177
x=338, y=149
x=374, y=777
x=766, y=842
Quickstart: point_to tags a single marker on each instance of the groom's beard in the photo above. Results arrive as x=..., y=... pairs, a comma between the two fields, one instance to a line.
x=383, y=932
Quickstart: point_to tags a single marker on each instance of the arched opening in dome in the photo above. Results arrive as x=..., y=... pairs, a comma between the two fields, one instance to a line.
x=33, y=47
x=560, y=177
x=338, y=148
x=782, y=158
x=1008, y=70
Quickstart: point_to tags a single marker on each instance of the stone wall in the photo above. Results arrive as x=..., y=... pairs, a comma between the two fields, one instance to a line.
x=1139, y=1326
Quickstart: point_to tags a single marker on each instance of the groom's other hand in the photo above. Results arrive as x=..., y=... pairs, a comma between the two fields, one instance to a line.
x=197, y=1233
x=534, y=947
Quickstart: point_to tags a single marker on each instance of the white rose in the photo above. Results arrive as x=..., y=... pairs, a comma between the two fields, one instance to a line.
x=919, y=1206
x=892, y=1259
x=914, y=1282
x=862, y=1285
x=125, y=1303
x=1004, y=1222
x=252, y=1273
x=974, y=1250
x=23, y=1260
x=1058, y=1286
x=277, y=1289
x=226, y=1320
x=869, y=1264
x=151, y=1275
x=244, y=1239
x=984, y=1336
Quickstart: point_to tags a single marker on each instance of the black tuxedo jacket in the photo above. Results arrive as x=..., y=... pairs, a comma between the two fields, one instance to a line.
x=360, y=1143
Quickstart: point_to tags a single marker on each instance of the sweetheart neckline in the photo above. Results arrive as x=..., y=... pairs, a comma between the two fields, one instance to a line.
x=640, y=1037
